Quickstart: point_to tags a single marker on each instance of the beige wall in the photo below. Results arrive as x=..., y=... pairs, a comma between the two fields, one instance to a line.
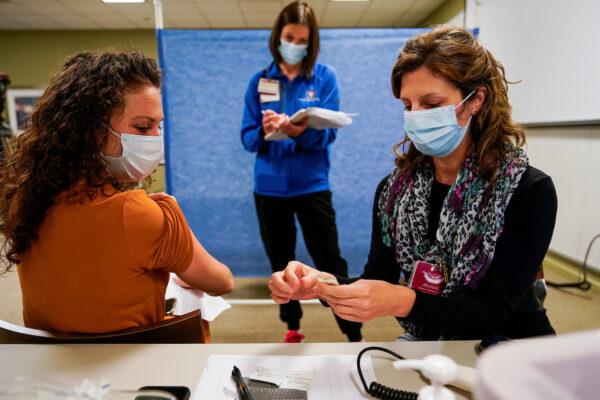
x=451, y=12
x=30, y=57
x=569, y=154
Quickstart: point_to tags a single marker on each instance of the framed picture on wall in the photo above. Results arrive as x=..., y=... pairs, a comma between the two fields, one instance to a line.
x=21, y=103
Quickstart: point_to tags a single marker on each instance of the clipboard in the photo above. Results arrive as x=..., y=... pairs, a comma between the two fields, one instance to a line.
x=318, y=118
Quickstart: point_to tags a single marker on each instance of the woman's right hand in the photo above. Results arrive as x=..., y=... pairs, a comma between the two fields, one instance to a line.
x=272, y=121
x=295, y=282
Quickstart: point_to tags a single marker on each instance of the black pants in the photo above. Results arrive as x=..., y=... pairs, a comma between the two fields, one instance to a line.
x=316, y=216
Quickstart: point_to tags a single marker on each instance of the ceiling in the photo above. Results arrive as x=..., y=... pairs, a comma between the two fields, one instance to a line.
x=240, y=14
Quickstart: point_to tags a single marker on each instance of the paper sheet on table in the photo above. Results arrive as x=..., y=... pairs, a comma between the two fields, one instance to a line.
x=284, y=379
x=335, y=376
x=191, y=299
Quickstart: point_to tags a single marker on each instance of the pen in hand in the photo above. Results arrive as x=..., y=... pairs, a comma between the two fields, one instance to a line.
x=275, y=120
x=242, y=388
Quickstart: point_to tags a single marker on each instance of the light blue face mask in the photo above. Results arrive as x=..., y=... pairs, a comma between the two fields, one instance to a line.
x=435, y=132
x=292, y=53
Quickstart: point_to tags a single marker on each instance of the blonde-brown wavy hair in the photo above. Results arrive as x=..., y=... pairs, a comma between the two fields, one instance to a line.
x=454, y=54
x=60, y=150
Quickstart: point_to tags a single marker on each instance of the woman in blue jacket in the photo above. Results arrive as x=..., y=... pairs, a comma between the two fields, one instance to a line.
x=291, y=175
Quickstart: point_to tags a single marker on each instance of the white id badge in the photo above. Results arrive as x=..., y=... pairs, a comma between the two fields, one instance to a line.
x=268, y=86
x=268, y=98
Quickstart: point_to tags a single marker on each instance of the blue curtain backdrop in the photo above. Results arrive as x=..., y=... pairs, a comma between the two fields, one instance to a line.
x=205, y=77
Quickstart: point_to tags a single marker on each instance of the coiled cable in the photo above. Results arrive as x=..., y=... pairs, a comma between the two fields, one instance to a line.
x=378, y=390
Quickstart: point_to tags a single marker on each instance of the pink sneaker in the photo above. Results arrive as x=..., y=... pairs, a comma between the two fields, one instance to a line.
x=293, y=337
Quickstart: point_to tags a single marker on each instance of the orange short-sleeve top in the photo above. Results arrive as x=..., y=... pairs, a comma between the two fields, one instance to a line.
x=103, y=264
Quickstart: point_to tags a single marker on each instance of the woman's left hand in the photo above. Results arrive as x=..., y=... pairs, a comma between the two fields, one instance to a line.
x=294, y=130
x=366, y=299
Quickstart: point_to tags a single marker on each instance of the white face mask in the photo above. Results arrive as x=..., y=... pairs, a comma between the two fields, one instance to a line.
x=140, y=156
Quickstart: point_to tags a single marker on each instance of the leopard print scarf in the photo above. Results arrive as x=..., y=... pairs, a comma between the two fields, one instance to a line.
x=471, y=221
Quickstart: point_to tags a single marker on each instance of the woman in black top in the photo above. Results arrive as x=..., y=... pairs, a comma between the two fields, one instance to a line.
x=461, y=226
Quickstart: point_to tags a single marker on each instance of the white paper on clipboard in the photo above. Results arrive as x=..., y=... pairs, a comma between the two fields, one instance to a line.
x=335, y=376
x=322, y=118
x=318, y=118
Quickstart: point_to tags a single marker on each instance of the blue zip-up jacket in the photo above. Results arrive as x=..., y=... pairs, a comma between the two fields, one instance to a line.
x=295, y=166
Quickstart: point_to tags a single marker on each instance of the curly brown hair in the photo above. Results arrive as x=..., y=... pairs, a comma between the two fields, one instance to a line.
x=60, y=150
x=454, y=54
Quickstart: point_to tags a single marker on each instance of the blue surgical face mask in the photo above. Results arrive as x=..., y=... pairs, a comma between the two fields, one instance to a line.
x=435, y=132
x=292, y=53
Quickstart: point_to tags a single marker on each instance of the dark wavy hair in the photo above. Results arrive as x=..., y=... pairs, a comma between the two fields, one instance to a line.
x=454, y=54
x=297, y=12
x=60, y=148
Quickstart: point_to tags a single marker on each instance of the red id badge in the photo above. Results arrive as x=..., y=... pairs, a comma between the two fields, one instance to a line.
x=427, y=278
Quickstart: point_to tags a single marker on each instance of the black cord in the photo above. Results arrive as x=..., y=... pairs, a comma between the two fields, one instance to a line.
x=583, y=284
x=378, y=390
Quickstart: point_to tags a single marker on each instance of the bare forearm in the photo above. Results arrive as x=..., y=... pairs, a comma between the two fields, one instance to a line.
x=404, y=301
x=206, y=273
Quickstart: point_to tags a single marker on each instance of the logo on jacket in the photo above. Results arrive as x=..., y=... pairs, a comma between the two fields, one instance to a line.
x=311, y=95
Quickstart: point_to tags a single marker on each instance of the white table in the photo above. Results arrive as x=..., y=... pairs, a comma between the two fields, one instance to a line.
x=129, y=366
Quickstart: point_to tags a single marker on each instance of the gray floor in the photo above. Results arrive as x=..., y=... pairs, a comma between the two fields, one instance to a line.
x=569, y=310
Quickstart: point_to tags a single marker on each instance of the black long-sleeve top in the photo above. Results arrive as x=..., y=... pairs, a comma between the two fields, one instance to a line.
x=503, y=303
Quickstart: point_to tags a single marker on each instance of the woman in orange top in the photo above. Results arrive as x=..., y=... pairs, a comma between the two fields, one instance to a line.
x=93, y=254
